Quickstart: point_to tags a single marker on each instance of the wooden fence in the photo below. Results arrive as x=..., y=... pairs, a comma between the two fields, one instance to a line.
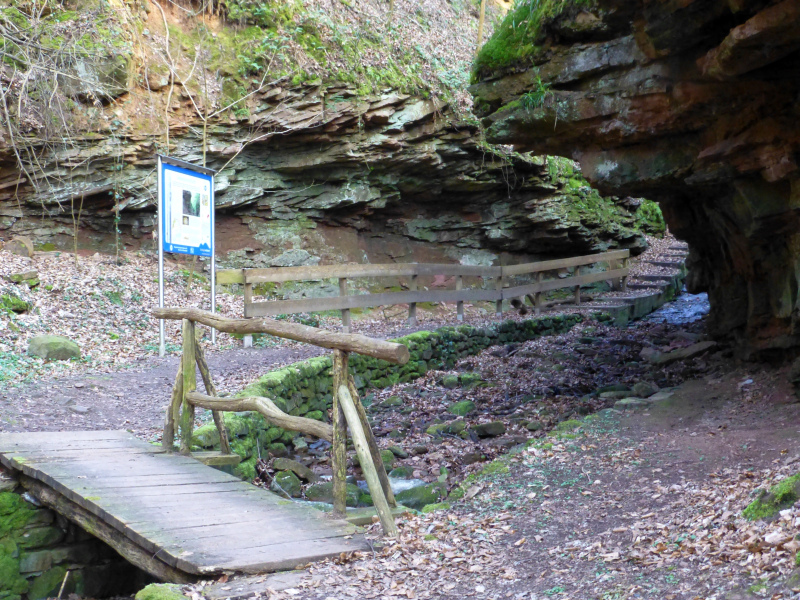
x=348, y=412
x=503, y=288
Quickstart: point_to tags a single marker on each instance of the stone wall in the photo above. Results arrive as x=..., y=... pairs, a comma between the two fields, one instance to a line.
x=39, y=547
x=304, y=388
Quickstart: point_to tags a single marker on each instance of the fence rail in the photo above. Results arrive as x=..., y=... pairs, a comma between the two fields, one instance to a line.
x=502, y=288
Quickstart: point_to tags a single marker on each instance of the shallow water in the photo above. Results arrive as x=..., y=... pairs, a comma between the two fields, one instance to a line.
x=686, y=308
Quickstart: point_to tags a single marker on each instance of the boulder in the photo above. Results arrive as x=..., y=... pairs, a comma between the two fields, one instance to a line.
x=20, y=246
x=462, y=409
x=53, y=347
x=323, y=492
x=492, y=429
x=29, y=277
x=420, y=496
x=299, y=469
x=644, y=389
x=686, y=353
x=287, y=483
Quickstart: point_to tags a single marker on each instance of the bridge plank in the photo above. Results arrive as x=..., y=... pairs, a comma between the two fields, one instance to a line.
x=190, y=517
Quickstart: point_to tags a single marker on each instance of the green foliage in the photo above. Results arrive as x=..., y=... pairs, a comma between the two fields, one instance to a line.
x=517, y=36
x=537, y=96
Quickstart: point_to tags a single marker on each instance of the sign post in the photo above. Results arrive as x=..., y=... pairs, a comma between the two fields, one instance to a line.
x=185, y=222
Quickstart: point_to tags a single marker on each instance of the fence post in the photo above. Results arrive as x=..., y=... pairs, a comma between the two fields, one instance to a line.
x=365, y=459
x=247, y=341
x=460, y=305
x=412, y=306
x=339, y=450
x=345, y=311
x=189, y=385
x=577, y=287
x=625, y=278
x=537, y=297
x=173, y=411
x=498, y=285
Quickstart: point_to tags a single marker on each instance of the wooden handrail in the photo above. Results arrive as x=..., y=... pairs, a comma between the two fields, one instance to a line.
x=349, y=271
x=265, y=407
x=349, y=342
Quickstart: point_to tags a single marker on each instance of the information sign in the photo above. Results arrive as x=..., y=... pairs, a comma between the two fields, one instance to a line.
x=185, y=221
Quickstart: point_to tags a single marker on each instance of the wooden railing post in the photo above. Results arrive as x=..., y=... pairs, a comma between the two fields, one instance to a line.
x=247, y=341
x=368, y=466
x=498, y=305
x=577, y=292
x=211, y=390
x=345, y=311
x=625, y=277
x=537, y=296
x=412, y=306
x=189, y=385
x=339, y=448
x=460, y=304
x=173, y=411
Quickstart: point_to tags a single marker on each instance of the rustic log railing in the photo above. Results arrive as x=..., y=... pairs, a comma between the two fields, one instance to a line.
x=502, y=288
x=348, y=412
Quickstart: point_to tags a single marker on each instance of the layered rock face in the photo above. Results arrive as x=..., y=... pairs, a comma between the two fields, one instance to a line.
x=695, y=104
x=316, y=173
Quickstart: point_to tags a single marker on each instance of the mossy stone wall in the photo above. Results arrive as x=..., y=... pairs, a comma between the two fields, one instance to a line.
x=304, y=388
x=38, y=548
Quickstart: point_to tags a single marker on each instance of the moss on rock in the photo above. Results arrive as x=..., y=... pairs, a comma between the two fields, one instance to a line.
x=160, y=591
x=780, y=496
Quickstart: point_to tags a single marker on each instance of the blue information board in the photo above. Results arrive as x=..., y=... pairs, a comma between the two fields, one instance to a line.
x=187, y=210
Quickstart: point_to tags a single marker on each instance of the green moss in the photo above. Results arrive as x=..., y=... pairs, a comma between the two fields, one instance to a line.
x=649, y=218
x=518, y=36
x=569, y=425
x=782, y=495
x=47, y=584
x=429, y=508
x=11, y=581
x=160, y=591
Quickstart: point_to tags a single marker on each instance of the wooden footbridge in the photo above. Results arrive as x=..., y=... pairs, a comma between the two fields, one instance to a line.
x=181, y=520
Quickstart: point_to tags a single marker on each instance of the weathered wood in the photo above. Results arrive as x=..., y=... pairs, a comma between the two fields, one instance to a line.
x=412, y=306
x=217, y=459
x=460, y=304
x=349, y=342
x=265, y=407
x=624, y=280
x=317, y=272
x=339, y=373
x=229, y=276
x=374, y=450
x=192, y=518
x=345, y=311
x=537, y=297
x=247, y=341
x=563, y=263
x=87, y=521
x=189, y=385
x=173, y=411
x=365, y=459
x=557, y=284
x=277, y=307
x=202, y=365
x=498, y=286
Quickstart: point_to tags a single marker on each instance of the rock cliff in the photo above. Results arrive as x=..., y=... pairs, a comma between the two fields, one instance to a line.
x=695, y=104
x=322, y=173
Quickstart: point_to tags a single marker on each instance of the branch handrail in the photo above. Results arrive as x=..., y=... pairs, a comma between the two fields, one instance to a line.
x=347, y=408
x=348, y=342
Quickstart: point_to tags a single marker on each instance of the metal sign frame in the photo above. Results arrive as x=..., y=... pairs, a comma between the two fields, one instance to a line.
x=166, y=243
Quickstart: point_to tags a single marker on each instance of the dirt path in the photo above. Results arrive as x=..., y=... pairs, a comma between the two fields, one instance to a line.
x=133, y=398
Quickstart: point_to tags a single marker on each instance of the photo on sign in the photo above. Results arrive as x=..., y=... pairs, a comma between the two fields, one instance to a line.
x=191, y=203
